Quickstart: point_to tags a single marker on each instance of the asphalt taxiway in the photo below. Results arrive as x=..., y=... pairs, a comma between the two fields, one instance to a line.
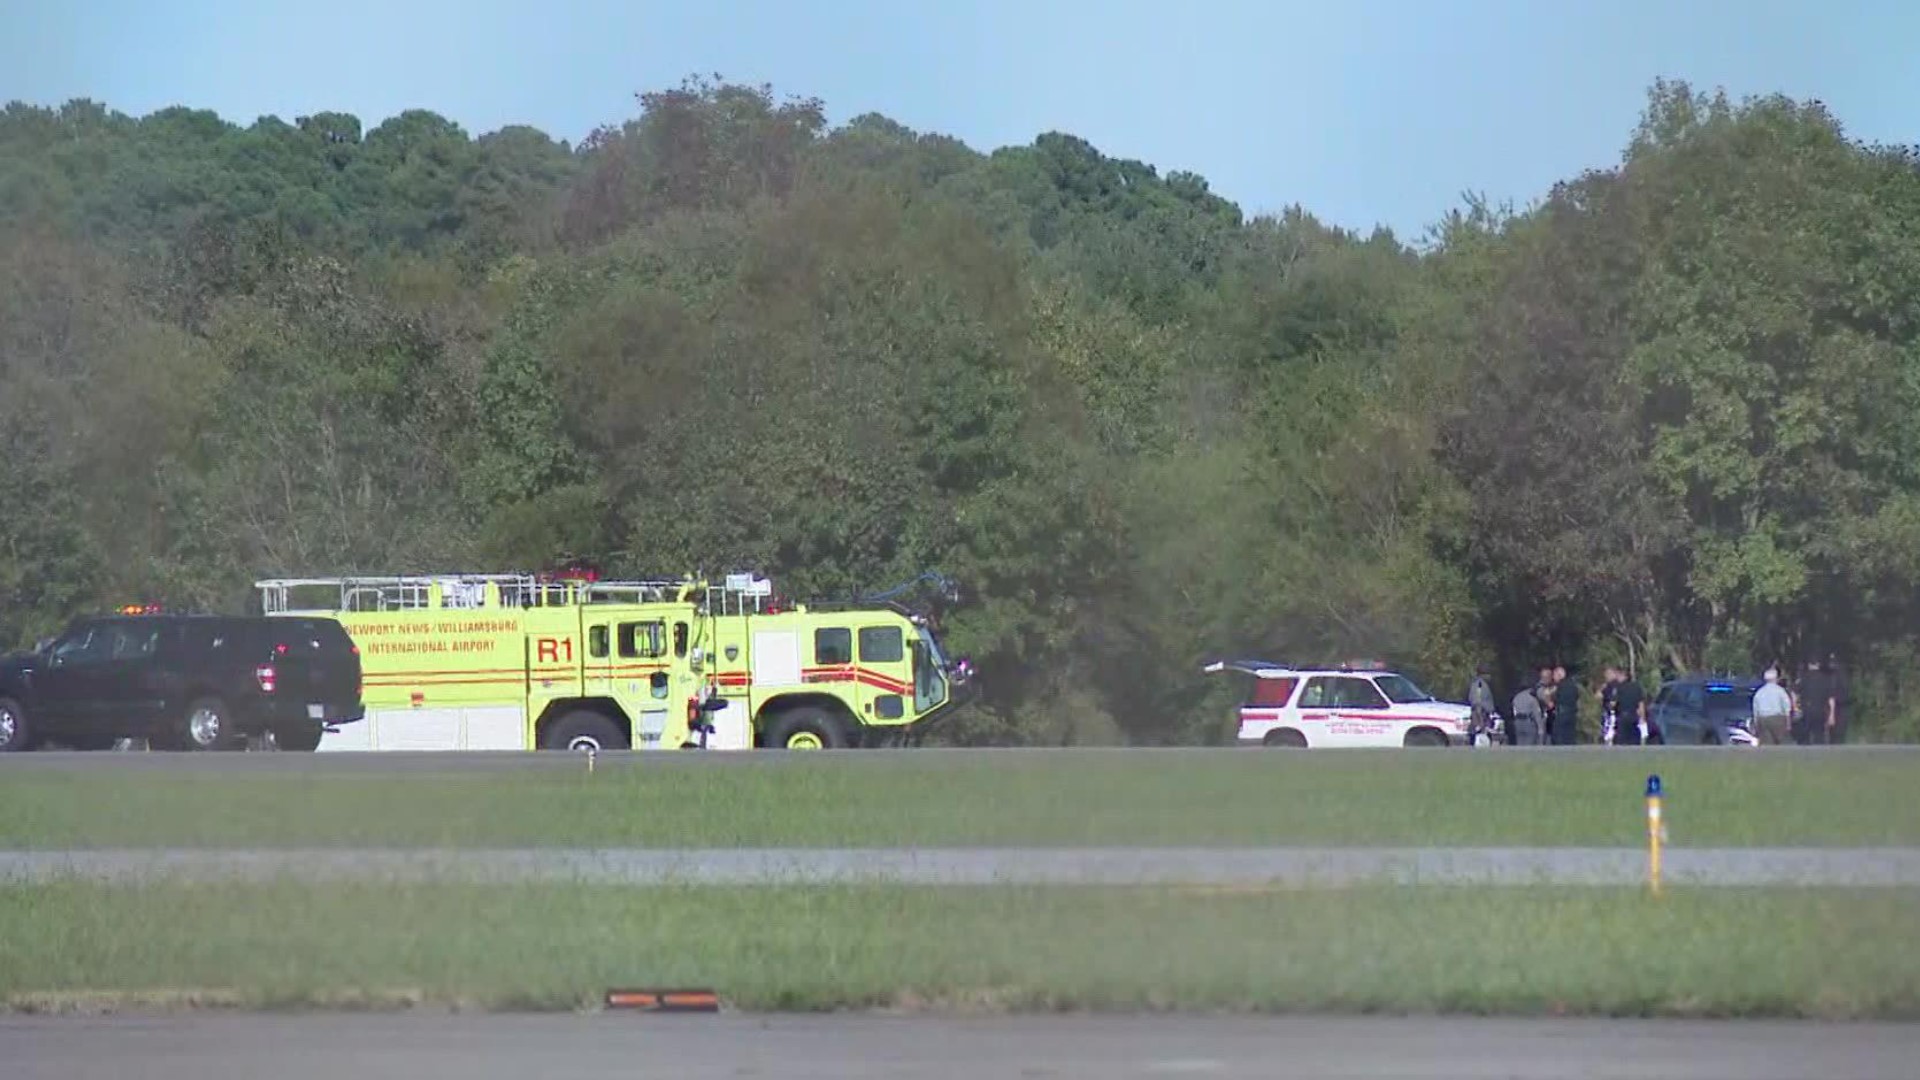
x=431, y=1046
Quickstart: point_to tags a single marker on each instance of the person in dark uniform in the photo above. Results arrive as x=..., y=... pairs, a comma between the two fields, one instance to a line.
x=1609, y=682
x=1630, y=707
x=1566, y=707
x=1817, y=708
x=1837, y=679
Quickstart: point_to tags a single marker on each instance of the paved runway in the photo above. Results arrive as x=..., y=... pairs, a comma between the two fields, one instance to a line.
x=420, y=1046
x=1882, y=867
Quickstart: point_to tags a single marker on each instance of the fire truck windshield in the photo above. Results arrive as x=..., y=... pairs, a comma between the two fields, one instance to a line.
x=929, y=672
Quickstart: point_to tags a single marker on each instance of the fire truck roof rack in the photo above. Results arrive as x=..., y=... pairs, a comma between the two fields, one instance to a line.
x=739, y=593
x=636, y=592
x=461, y=591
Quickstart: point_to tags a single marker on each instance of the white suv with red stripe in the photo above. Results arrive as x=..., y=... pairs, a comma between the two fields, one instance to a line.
x=1341, y=707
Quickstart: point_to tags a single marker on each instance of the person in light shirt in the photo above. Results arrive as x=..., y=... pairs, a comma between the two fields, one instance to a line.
x=1772, y=711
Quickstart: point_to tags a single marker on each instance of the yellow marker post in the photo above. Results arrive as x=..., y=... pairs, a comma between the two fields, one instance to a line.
x=1656, y=832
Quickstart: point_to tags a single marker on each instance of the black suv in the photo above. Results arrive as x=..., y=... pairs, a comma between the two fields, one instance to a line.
x=186, y=682
x=1697, y=708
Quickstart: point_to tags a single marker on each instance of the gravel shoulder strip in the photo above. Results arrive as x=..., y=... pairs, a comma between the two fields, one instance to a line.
x=1828, y=867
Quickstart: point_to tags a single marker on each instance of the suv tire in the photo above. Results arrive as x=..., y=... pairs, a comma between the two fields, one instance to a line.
x=15, y=733
x=207, y=725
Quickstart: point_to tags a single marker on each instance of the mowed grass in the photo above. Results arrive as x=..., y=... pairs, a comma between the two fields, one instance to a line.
x=1716, y=952
x=1375, y=798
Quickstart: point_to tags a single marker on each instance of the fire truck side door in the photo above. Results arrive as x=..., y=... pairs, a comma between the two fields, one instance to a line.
x=684, y=683
x=884, y=673
x=596, y=629
x=642, y=683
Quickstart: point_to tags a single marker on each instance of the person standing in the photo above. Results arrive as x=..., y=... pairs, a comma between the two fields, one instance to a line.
x=1817, y=707
x=1481, y=704
x=1609, y=682
x=1837, y=734
x=1544, y=691
x=1772, y=711
x=1629, y=710
x=1529, y=720
x=1566, y=708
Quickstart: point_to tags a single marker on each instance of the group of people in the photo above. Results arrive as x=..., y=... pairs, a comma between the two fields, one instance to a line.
x=1812, y=714
x=1548, y=712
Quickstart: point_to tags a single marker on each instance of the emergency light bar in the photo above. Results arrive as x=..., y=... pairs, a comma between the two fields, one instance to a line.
x=1259, y=668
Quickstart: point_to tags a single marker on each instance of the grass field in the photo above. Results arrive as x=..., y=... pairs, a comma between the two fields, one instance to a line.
x=1614, y=952
x=834, y=800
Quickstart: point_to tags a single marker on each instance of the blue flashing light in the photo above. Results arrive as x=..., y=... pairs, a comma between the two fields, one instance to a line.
x=1653, y=786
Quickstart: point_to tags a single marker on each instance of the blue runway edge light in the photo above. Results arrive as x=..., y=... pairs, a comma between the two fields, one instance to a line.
x=1653, y=786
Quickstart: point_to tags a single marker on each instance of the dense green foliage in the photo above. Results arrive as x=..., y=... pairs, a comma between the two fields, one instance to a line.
x=1669, y=414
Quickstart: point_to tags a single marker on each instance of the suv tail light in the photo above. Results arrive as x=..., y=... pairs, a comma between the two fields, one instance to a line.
x=266, y=677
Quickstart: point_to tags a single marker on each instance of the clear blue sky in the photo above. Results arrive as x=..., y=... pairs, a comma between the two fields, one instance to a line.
x=1362, y=112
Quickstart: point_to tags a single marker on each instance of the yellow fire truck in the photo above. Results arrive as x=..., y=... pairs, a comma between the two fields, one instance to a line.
x=529, y=661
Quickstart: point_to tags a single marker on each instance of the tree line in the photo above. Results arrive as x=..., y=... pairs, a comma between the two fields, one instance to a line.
x=1667, y=416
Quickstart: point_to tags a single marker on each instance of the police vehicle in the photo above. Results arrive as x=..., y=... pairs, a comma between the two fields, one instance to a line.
x=1711, y=710
x=1341, y=707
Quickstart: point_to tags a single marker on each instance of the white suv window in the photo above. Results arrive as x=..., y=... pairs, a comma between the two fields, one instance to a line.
x=1402, y=690
x=1341, y=692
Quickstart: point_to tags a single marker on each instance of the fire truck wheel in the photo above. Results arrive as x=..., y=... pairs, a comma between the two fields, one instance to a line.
x=585, y=731
x=806, y=729
x=14, y=733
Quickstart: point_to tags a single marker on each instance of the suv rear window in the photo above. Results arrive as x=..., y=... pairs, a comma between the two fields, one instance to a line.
x=1272, y=693
x=314, y=633
x=1728, y=700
